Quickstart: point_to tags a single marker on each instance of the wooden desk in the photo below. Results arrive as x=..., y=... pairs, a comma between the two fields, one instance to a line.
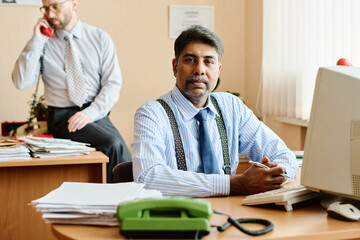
x=22, y=181
x=306, y=221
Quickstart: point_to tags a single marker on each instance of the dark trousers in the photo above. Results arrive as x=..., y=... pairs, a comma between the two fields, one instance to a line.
x=101, y=134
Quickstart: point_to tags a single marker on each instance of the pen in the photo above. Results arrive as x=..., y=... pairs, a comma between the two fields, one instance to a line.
x=257, y=164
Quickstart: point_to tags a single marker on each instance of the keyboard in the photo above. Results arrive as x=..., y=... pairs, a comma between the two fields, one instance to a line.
x=283, y=196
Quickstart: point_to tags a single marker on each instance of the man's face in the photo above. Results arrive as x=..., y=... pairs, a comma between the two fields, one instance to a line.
x=196, y=72
x=62, y=14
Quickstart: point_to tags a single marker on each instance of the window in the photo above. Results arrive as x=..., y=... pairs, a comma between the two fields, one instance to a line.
x=299, y=36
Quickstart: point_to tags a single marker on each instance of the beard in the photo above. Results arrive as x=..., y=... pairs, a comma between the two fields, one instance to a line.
x=58, y=24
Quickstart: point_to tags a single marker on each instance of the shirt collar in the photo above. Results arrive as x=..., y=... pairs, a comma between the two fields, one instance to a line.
x=186, y=107
x=76, y=31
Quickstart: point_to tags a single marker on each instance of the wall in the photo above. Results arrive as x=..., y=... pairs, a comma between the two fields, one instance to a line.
x=139, y=29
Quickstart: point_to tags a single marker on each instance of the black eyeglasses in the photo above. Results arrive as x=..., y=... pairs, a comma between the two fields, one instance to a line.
x=52, y=7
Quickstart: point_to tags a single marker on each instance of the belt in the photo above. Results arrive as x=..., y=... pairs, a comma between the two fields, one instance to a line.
x=85, y=105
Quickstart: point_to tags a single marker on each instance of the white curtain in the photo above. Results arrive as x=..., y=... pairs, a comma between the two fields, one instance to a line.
x=299, y=36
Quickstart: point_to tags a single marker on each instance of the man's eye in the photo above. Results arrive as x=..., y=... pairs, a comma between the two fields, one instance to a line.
x=189, y=60
x=209, y=62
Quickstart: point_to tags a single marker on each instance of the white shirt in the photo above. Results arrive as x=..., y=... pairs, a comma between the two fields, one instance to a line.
x=99, y=61
x=154, y=158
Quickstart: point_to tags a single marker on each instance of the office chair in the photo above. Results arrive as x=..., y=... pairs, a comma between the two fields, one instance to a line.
x=123, y=172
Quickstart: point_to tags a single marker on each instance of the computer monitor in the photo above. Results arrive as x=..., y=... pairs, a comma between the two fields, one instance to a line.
x=331, y=161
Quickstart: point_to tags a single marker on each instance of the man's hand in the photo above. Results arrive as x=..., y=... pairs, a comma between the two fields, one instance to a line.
x=78, y=121
x=41, y=23
x=266, y=161
x=256, y=179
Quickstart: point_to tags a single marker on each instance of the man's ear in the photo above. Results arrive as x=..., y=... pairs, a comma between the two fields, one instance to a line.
x=75, y=4
x=174, y=64
x=219, y=69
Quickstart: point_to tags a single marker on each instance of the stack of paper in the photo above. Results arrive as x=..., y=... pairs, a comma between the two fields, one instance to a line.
x=13, y=150
x=55, y=147
x=89, y=203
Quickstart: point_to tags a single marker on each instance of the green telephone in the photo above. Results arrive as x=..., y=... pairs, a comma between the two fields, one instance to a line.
x=170, y=217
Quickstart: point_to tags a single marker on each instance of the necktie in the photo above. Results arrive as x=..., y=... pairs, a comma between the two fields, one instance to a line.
x=75, y=78
x=206, y=151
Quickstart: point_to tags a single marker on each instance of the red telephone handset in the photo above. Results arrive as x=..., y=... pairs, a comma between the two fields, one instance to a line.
x=47, y=31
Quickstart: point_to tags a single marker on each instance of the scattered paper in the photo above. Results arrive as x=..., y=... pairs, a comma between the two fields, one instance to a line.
x=56, y=147
x=89, y=203
x=13, y=150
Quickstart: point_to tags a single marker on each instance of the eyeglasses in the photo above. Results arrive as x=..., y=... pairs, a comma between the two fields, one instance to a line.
x=52, y=7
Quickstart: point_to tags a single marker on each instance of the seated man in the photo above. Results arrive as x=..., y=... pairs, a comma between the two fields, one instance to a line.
x=82, y=79
x=202, y=162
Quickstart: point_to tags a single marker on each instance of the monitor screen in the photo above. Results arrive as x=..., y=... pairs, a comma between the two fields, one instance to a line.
x=331, y=161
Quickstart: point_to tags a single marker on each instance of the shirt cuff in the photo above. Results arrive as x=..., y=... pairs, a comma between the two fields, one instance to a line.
x=92, y=113
x=220, y=185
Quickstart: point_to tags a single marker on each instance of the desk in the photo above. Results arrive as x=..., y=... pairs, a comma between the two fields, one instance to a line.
x=307, y=221
x=22, y=181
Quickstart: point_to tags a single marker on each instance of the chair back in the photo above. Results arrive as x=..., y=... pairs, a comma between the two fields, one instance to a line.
x=123, y=172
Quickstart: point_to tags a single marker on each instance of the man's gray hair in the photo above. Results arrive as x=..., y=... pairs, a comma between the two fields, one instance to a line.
x=197, y=33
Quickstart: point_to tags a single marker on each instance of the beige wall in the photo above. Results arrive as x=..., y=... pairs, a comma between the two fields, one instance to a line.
x=139, y=29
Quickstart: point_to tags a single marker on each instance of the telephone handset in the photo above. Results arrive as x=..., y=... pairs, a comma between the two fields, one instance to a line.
x=177, y=217
x=47, y=31
x=171, y=217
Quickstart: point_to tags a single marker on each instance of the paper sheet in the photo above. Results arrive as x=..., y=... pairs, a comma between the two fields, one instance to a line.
x=89, y=203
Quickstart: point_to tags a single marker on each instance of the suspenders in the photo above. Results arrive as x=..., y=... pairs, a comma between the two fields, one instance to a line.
x=223, y=136
x=179, y=149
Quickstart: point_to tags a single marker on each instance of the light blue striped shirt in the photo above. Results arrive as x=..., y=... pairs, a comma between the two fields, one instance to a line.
x=154, y=158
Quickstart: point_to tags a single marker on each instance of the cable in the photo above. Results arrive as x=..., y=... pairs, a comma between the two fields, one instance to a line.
x=197, y=235
x=33, y=103
x=237, y=223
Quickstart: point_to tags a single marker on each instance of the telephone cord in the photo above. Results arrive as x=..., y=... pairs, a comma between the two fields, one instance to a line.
x=27, y=130
x=237, y=223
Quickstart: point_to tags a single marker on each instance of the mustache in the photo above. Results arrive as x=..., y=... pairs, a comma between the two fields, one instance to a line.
x=197, y=79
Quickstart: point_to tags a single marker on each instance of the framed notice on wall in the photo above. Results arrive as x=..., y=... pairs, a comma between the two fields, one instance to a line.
x=181, y=17
x=21, y=2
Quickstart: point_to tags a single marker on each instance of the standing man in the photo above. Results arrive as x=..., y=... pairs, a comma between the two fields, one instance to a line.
x=82, y=79
x=205, y=165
